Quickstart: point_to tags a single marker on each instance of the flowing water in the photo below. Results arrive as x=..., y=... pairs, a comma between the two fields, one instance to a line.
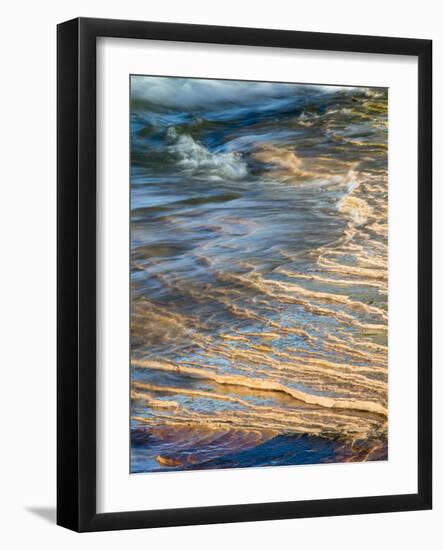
x=258, y=274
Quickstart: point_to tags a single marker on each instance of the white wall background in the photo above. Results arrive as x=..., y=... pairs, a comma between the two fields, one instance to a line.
x=27, y=289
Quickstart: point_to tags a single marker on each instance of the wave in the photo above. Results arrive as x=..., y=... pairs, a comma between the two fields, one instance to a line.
x=289, y=166
x=196, y=160
x=356, y=208
x=199, y=93
x=266, y=385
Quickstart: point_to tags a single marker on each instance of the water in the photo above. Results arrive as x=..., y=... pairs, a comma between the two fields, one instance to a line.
x=258, y=274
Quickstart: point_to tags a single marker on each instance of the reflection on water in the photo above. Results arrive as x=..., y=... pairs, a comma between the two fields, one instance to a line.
x=258, y=274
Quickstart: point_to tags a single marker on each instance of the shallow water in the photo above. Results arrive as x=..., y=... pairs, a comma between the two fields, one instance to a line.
x=258, y=274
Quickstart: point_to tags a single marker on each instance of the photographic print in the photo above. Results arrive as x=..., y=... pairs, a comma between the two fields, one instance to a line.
x=258, y=268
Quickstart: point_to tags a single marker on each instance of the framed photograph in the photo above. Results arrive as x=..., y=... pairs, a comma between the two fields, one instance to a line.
x=244, y=274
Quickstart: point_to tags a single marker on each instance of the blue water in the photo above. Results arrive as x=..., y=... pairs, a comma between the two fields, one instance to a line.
x=258, y=274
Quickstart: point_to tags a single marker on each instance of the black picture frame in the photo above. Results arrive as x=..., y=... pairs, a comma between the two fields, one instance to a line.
x=77, y=248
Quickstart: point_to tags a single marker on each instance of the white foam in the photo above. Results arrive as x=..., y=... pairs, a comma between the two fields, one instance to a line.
x=195, y=93
x=197, y=160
